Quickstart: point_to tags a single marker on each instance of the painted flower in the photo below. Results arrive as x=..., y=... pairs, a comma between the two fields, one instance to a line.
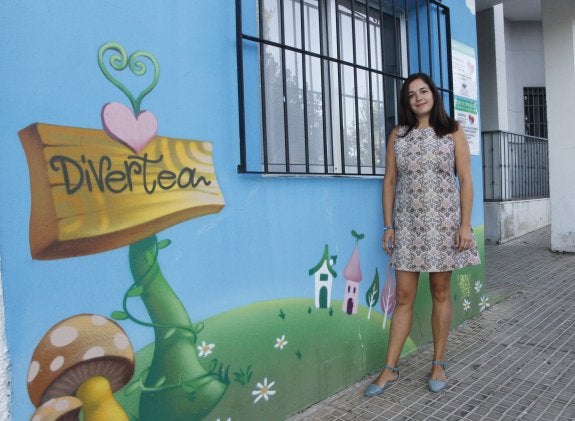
x=466, y=304
x=205, y=349
x=263, y=391
x=484, y=303
x=281, y=342
x=478, y=286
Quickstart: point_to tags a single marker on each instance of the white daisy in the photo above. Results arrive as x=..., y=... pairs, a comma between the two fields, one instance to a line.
x=466, y=304
x=228, y=419
x=281, y=342
x=484, y=303
x=264, y=390
x=205, y=349
x=478, y=286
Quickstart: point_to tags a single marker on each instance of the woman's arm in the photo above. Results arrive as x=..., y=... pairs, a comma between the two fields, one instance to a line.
x=463, y=167
x=388, y=194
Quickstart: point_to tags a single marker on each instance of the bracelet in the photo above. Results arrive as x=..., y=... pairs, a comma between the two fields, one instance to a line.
x=385, y=228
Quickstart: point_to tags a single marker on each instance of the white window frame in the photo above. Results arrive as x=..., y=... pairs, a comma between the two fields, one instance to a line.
x=331, y=108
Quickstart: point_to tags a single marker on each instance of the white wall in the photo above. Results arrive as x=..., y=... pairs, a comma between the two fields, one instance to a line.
x=511, y=57
x=559, y=44
x=492, y=66
x=509, y=220
x=4, y=364
x=525, y=67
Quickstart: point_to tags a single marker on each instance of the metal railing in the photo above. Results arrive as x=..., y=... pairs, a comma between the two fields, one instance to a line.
x=515, y=166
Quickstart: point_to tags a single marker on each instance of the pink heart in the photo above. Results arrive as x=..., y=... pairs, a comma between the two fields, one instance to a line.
x=121, y=124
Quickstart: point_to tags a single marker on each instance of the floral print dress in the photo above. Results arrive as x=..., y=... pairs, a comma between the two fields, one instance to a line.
x=427, y=210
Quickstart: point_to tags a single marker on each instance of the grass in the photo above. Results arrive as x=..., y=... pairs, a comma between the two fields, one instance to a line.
x=325, y=352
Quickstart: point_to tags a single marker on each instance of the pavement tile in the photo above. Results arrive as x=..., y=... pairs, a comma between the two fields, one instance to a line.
x=530, y=417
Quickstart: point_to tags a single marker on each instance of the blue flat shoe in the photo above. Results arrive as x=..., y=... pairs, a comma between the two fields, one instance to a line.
x=374, y=389
x=436, y=386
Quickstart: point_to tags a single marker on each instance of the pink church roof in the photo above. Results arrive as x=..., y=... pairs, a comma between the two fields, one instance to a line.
x=352, y=271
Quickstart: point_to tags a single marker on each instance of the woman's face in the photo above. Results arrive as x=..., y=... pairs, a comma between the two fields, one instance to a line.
x=420, y=98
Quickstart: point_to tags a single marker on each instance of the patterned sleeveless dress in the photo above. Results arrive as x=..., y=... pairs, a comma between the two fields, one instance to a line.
x=427, y=211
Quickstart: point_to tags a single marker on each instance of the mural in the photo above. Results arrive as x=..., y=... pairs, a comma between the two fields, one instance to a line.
x=88, y=356
x=96, y=190
x=323, y=274
x=92, y=191
x=352, y=274
x=387, y=296
x=140, y=292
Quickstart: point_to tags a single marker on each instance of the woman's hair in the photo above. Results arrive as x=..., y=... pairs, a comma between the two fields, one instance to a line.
x=442, y=123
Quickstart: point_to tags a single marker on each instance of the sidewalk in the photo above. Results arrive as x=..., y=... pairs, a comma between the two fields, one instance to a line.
x=516, y=361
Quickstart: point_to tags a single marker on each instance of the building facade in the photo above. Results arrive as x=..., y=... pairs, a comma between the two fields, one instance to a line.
x=525, y=68
x=170, y=174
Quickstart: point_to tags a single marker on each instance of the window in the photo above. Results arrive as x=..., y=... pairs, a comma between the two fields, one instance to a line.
x=535, y=108
x=319, y=79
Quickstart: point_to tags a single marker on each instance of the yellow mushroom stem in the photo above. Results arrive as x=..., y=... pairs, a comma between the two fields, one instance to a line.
x=98, y=402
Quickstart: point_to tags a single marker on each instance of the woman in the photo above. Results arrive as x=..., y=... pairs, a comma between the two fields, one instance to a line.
x=427, y=218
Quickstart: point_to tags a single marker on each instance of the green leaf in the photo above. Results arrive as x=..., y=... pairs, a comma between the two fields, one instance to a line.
x=164, y=243
x=170, y=333
x=160, y=381
x=190, y=335
x=119, y=315
x=132, y=388
x=354, y=233
x=372, y=294
x=135, y=292
x=198, y=328
x=189, y=388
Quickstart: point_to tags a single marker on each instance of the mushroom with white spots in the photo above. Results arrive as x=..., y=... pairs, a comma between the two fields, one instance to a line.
x=65, y=408
x=84, y=351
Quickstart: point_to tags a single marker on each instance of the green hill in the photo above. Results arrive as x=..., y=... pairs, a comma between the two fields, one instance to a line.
x=326, y=350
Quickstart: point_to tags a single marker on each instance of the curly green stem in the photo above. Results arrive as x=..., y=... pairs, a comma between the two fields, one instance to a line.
x=175, y=369
x=120, y=61
x=194, y=330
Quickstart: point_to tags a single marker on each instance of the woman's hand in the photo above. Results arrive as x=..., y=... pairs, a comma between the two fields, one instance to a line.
x=464, y=238
x=388, y=240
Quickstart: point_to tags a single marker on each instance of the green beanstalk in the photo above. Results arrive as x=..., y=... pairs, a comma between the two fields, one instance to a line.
x=175, y=386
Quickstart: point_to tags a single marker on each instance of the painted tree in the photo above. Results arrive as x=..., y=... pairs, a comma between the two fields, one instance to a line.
x=372, y=294
x=388, y=296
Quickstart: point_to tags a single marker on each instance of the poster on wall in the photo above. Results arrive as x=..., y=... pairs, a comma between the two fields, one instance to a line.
x=464, y=70
x=466, y=114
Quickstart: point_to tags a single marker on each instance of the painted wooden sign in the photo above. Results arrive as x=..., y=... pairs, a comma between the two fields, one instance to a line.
x=91, y=193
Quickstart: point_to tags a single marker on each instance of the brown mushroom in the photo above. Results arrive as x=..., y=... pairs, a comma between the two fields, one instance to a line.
x=78, y=349
x=65, y=408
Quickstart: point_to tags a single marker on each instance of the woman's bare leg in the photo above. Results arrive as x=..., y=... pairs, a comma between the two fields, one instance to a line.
x=440, y=285
x=406, y=290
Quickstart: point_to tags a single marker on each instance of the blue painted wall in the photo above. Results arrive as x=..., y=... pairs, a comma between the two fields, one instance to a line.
x=259, y=248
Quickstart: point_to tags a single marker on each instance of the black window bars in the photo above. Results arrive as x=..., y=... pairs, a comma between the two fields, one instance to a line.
x=535, y=111
x=319, y=80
